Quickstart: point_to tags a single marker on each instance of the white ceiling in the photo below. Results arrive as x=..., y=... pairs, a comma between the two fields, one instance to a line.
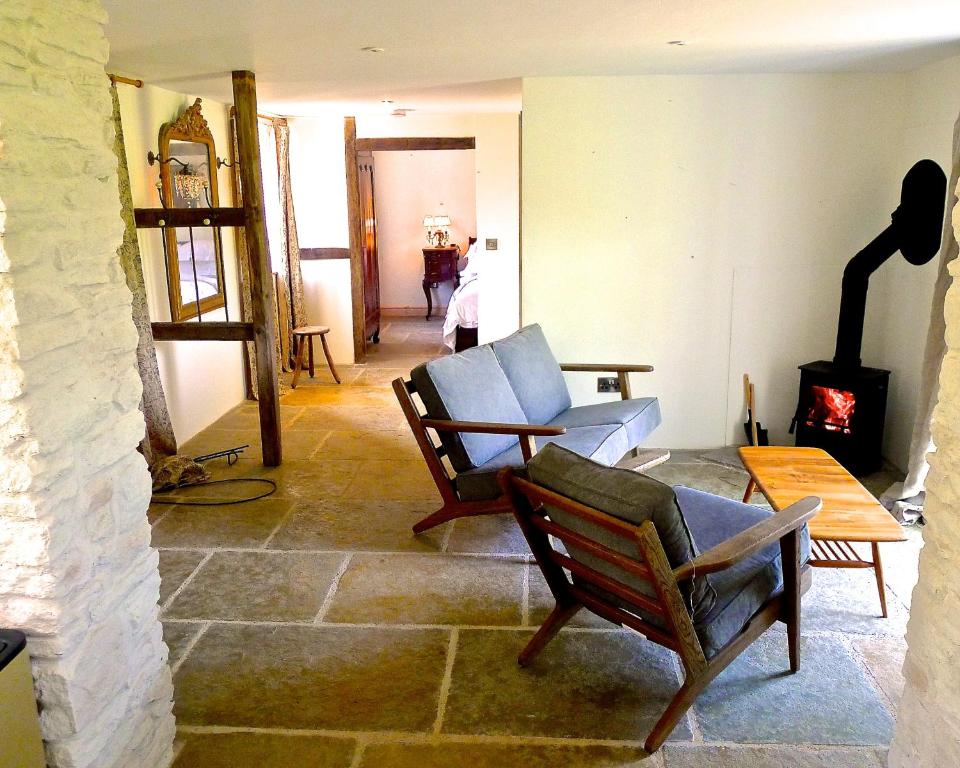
x=469, y=54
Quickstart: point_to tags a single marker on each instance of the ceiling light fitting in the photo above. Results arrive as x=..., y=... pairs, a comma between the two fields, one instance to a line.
x=676, y=42
x=372, y=49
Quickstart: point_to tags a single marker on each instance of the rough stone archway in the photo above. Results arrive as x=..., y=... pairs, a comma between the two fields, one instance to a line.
x=76, y=569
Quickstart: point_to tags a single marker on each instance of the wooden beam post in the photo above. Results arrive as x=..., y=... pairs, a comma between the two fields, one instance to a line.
x=261, y=280
x=355, y=226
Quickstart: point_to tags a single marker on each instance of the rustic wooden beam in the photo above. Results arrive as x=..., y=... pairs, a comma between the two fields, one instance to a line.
x=322, y=254
x=356, y=238
x=151, y=218
x=211, y=331
x=255, y=230
x=414, y=143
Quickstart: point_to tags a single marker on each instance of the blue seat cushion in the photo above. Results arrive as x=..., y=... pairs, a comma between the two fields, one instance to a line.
x=742, y=589
x=534, y=374
x=469, y=386
x=628, y=496
x=605, y=444
x=639, y=416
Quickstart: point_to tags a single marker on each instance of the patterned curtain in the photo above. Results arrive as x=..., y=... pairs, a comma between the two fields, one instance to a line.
x=243, y=268
x=291, y=262
x=159, y=441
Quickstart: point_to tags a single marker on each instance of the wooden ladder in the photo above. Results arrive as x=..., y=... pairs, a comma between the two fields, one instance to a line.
x=250, y=216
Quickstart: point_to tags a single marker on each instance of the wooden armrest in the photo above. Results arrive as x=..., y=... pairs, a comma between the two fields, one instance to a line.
x=606, y=367
x=492, y=427
x=752, y=540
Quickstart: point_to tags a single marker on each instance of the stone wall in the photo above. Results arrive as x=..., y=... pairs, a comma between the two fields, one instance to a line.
x=76, y=569
x=928, y=723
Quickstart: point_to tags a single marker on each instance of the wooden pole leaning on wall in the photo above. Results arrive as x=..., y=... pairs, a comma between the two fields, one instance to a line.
x=356, y=238
x=136, y=82
x=255, y=230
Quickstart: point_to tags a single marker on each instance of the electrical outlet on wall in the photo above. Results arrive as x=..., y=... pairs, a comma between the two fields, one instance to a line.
x=608, y=384
x=492, y=243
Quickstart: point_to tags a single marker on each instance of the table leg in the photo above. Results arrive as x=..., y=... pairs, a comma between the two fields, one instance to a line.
x=878, y=570
x=751, y=487
x=426, y=292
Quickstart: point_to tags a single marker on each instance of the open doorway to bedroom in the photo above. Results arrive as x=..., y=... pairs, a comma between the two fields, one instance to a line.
x=413, y=210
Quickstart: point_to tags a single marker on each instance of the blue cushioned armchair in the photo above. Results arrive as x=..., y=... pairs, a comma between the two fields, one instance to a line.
x=495, y=405
x=696, y=573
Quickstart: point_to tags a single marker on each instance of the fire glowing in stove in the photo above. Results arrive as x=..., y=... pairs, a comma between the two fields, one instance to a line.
x=832, y=409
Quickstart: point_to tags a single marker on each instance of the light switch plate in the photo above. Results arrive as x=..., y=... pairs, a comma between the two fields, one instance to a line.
x=491, y=243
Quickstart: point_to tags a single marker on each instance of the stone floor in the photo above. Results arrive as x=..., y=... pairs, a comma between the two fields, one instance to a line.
x=311, y=628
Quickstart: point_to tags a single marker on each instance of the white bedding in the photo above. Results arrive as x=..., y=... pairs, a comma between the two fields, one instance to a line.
x=207, y=287
x=462, y=309
x=204, y=259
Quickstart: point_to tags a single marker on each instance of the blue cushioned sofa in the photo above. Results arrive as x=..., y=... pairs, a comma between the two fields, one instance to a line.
x=495, y=405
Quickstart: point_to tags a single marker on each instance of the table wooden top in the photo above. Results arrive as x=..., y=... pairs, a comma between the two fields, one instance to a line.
x=850, y=512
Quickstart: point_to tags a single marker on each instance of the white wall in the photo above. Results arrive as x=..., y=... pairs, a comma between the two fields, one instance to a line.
x=318, y=182
x=318, y=179
x=900, y=293
x=327, y=301
x=498, y=216
x=701, y=224
x=409, y=186
x=202, y=380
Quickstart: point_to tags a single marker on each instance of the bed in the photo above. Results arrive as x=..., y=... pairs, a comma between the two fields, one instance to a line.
x=461, y=322
x=205, y=259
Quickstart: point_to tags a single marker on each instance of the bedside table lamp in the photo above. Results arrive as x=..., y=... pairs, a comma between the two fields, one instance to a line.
x=438, y=230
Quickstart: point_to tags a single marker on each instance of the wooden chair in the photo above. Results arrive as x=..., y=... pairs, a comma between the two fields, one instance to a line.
x=664, y=618
x=304, y=338
x=444, y=477
x=433, y=454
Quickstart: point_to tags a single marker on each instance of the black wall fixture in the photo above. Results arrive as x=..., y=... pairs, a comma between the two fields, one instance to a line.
x=914, y=230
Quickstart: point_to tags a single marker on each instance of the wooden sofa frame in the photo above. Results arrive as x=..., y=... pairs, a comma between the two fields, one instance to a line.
x=433, y=454
x=675, y=631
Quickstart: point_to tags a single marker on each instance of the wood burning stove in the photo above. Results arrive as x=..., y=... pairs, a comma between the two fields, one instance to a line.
x=842, y=410
x=842, y=404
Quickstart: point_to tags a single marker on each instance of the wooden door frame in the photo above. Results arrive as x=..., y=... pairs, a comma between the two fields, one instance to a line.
x=351, y=146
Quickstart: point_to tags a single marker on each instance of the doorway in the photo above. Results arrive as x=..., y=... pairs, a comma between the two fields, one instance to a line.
x=394, y=271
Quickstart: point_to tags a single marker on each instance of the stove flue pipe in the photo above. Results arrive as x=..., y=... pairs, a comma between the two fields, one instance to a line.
x=853, y=296
x=914, y=231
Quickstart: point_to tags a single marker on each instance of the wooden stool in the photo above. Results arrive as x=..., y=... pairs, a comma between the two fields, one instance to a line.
x=304, y=338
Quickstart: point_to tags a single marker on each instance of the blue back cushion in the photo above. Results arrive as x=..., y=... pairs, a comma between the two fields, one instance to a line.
x=628, y=496
x=469, y=386
x=534, y=374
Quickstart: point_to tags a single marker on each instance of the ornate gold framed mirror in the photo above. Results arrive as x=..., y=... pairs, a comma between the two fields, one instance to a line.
x=188, y=179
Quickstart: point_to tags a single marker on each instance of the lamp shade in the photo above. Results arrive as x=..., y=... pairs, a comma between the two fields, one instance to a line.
x=429, y=222
x=441, y=221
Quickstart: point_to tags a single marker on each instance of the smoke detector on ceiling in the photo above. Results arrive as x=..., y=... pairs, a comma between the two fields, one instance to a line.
x=402, y=111
x=372, y=49
x=676, y=42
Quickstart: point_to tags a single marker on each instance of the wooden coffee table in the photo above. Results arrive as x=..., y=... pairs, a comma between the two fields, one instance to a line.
x=850, y=513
